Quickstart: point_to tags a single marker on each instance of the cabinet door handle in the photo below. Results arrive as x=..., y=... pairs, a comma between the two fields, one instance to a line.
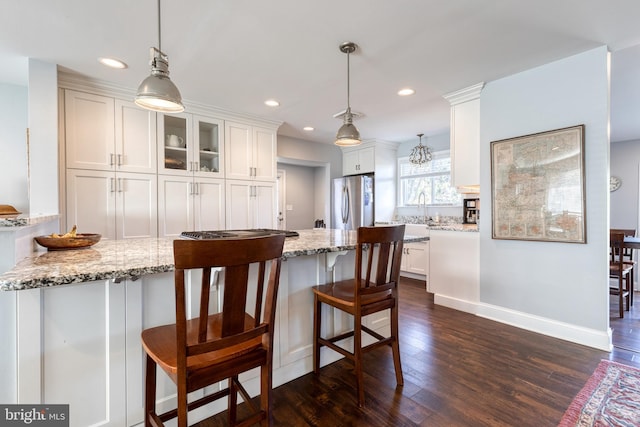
x=119, y=156
x=196, y=188
x=196, y=166
x=112, y=185
x=190, y=188
x=120, y=189
x=111, y=159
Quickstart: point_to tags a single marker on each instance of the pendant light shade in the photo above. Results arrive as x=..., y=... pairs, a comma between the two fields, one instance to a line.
x=348, y=134
x=420, y=153
x=157, y=92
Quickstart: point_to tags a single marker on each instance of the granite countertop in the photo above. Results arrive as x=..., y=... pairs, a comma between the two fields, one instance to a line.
x=133, y=258
x=9, y=223
x=471, y=228
x=446, y=226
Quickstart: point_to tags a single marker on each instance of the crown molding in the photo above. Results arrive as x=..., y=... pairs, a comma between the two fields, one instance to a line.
x=463, y=95
x=79, y=82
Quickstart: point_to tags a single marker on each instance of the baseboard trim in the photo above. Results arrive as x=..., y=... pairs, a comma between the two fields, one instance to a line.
x=601, y=340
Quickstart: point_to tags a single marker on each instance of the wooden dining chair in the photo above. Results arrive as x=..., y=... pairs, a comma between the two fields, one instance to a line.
x=620, y=271
x=627, y=254
x=374, y=288
x=214, y=347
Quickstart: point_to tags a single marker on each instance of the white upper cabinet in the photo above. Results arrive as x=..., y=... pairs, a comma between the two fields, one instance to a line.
x=102, y=133
x=358, y=161
x=465, y=138
x=89, y=131
x=250, y=152
x=190, y=145
x=135, y=138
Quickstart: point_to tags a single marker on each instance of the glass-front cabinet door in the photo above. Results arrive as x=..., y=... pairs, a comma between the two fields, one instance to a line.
x=208, y=146
x=174, y=136
x=190, y=145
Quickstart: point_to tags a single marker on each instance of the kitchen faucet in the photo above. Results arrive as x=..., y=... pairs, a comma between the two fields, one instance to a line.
x=423, y=196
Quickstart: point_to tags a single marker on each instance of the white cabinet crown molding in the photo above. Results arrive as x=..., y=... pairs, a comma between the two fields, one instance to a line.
x=463, y=95
x=69, y=80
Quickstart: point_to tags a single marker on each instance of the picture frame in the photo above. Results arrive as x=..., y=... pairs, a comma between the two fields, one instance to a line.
x=538, y=187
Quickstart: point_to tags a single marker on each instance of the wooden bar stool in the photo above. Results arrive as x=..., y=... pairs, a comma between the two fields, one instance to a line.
x=374, y=288
x=620, y=270
x=627, y=256
x=210, y=348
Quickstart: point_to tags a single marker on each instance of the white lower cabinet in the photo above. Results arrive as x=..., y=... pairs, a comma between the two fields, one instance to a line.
x=415, y=258
x=116, y=205
x=187, y=204
x=83, y=352
x=92, y=356
x=250, y=204
x=80, y=344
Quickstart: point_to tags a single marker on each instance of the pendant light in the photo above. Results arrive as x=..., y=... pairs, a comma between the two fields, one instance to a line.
x=420, y=153
x=157, y=92
x=348, y=135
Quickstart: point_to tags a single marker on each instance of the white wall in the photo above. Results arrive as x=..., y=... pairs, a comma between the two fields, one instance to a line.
x=43, y=128
x=300, y=195
x=13, y=146
x=326, y=162
x=625, y=164
x=559, y=289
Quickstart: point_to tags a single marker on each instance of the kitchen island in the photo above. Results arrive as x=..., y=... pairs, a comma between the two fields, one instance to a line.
x=75, y=329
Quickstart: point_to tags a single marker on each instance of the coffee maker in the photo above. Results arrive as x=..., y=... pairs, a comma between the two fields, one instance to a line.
x=470, y=211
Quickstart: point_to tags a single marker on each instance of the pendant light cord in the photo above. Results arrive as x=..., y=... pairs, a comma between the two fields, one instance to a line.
x=159, y=32
x=348, y=82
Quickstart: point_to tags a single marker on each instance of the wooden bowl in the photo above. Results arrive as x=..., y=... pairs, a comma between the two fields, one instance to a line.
x=8, y=211
x=81, y=241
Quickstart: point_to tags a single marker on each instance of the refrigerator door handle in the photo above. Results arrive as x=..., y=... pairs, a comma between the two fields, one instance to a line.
x=346, y=205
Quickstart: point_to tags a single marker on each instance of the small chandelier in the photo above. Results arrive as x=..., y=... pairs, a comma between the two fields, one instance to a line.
x=420, y=154
x=157, y=92
x=348, y=135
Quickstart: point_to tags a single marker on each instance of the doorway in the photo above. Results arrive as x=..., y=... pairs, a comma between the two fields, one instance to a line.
x=303, y=193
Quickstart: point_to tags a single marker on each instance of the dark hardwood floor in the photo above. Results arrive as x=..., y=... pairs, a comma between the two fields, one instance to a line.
x=459, y=370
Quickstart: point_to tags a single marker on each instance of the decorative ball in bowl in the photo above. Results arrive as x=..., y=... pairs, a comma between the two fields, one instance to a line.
x=79, y=241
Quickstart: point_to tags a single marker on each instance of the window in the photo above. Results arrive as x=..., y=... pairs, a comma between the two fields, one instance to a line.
x=433, y=179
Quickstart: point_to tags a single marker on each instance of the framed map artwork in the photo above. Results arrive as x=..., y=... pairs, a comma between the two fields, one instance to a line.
x=537, y=187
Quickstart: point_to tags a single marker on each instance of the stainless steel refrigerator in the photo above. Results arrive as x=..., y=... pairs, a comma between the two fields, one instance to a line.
x=352, y=202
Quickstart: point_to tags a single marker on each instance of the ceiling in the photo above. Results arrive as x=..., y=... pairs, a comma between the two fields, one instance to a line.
x=236, y=54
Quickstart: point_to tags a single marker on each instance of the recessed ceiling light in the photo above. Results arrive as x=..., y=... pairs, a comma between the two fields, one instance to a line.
x=308, y=128
x=112, y=62
x=406, y=92
x=271, y=103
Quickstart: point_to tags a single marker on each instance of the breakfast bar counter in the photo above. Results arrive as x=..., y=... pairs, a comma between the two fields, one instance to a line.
x=133, y=258
x=72, y=321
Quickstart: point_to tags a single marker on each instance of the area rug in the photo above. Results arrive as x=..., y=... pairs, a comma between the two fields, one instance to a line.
x=611, y=397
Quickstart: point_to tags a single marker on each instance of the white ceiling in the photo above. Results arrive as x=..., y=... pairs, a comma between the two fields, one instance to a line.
x=235, y=54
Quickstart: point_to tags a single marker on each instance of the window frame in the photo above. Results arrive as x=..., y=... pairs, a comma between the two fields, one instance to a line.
x=405, y=160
